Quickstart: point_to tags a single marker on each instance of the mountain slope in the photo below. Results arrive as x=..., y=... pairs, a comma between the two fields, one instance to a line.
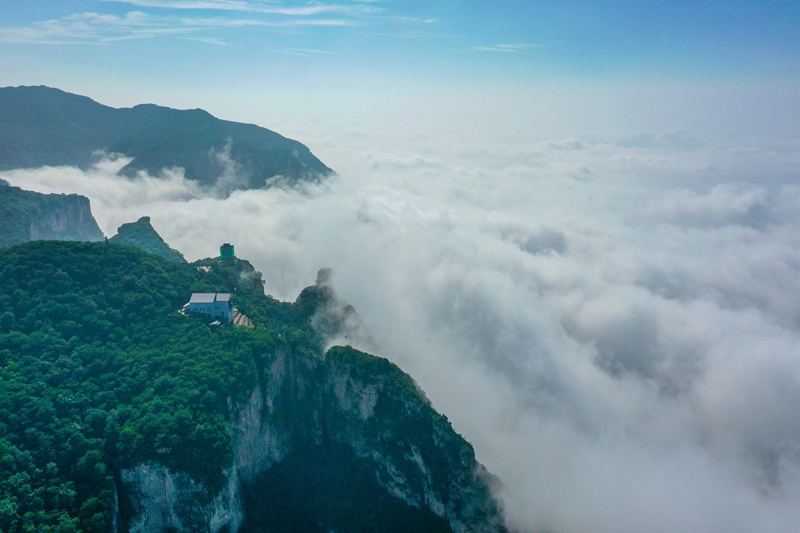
x=45, y=126
x=27, y=216
x=118, y=412
x=142, y=235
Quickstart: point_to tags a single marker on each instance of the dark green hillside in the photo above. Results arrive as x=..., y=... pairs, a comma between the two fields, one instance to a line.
x=140, y=234
x=101, y=372
x=98, y=371
x=44, y=126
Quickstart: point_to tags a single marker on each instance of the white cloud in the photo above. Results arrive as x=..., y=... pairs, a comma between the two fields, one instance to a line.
x=210, y=40
x=100, y=28
x=614, y=326
x=307, y=52
x=94, y=28
x=225, y=5
x=506, y=48
x=312, y=8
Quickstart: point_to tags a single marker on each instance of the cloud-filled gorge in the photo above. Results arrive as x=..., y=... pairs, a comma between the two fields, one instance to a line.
x=613, y=323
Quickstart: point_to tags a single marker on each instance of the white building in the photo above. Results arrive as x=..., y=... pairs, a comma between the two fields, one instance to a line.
x=212, y=304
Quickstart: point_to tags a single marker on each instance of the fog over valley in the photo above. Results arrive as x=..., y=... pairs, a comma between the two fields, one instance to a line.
x=611, y=320
x=574, y=225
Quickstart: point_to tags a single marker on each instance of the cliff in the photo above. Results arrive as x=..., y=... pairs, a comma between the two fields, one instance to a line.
x=121, y=413
x=29, y=216
x=357, y=408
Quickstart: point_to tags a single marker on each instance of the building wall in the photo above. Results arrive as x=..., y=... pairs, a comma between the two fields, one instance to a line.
x=216, y=309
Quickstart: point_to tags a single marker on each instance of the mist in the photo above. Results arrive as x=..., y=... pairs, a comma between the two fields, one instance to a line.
x=612, y=321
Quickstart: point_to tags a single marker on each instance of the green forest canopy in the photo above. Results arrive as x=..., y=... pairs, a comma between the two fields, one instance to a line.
x=99, y=371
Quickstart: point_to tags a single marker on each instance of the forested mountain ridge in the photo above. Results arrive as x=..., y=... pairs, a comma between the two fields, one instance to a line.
x=109, y=394
x=45, y=126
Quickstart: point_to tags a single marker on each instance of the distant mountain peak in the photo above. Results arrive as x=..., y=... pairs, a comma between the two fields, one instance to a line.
x=45, y=126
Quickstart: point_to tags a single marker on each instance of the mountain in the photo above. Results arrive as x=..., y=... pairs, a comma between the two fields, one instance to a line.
x=44, y=126
x=140, y=234
x=29, y=216
x=119, y=412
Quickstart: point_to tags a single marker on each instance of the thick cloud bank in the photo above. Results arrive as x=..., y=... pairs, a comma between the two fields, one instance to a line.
x=613, y=322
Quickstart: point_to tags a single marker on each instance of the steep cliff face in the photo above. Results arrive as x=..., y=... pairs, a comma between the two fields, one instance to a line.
x=262, y=436
x=172, y=501
x=128, y=415
x=31, y=216
x=353, y=401
x=66, y=218
x=380, y=413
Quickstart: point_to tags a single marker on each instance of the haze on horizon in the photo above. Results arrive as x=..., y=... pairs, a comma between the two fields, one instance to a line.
x=573, y=223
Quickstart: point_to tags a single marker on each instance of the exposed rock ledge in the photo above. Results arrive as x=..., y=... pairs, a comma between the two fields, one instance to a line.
x=349, y=398
x=172, y=501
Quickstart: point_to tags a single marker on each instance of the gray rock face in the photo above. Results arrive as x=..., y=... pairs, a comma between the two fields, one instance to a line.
x=31, y=216
x=350, y=398
x=173, y=501
x=69, y=218
x=260, y=435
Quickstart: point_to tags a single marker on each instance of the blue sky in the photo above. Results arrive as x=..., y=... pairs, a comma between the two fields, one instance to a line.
x=188, y=53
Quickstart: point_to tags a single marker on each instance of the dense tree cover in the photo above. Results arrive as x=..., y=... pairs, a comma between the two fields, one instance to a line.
x=99, y=371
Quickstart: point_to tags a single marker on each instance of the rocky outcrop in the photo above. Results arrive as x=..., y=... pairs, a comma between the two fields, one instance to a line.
x=330, y=316
x=418, y=457
x=32, y=216
x=66, y=218
x=142, y=235
x=349, y=398
x=261, y=436
x=162, y=500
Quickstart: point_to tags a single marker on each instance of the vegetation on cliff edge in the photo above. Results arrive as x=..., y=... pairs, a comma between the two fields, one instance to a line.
x=101, y=371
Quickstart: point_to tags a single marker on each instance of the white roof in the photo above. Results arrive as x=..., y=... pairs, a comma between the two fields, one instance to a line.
x=202, y=298
x=209, y=297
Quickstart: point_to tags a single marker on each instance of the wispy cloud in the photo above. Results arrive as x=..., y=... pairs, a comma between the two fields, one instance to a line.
x=220, y=22
x=226, y=5
x=101, y=28
x=210, y=40
x=306, y=52
x=97, y=28
x=253, y=7
x=506, y=48
x=94, y=28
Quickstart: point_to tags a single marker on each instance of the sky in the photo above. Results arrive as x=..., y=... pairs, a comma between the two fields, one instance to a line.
x=503, y=70
x=575, y=224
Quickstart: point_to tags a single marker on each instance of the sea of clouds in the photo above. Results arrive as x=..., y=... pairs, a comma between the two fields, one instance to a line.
x=613, y=322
